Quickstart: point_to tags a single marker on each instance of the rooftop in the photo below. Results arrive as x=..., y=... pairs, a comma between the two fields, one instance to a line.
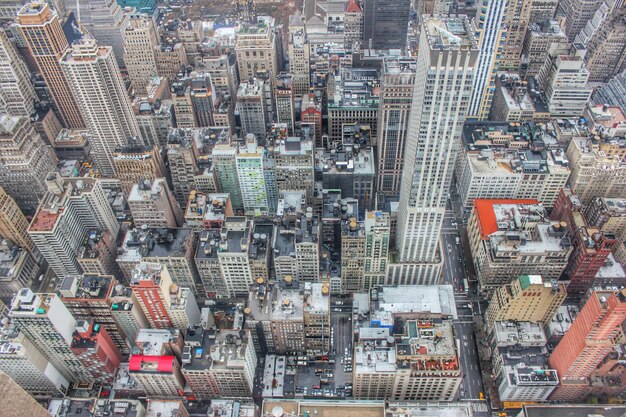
x=224, y=350
x=154, y=243
x=431, y=300
x=519, y=334
x=603, y=410
x=155, y=342
x=147, y=190
x=86, y=286
x=356, y=88
x=142, y=363
x=164, y=408
x=449, y=32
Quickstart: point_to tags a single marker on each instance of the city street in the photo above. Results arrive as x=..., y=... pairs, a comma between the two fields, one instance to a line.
x=457, y=267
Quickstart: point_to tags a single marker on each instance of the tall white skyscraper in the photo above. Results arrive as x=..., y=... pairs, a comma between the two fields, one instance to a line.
x=98, y=87
x=490, y=32
x=17, y=95
x=446, y=69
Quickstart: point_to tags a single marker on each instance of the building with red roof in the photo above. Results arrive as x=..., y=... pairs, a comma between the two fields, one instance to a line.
x=158, y=375
x=510, y=238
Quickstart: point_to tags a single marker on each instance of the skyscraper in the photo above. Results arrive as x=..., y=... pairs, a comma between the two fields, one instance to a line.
x=446, y=66
x=97, y=85
x=396, y=96
x=24, y=162
x=591, y=337
x=385, y=23
x=577, y=13
x=43, y=34
x=491, y=33
x=516, y=22
x=140, y=38
x=17, y=95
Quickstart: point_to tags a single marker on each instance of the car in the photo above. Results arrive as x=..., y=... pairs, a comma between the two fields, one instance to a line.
x=481, y=395
x=346, y=350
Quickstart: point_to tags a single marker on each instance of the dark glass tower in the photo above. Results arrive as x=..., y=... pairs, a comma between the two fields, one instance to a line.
x=385, y=23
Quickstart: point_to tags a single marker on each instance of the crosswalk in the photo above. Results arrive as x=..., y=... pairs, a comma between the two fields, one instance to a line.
x=480, y=407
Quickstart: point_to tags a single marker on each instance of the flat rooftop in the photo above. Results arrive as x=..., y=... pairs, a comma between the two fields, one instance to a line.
x=603, y=410
x=432, y=299
x=523, y=333
x=163, y=408
x=154, y=243
x=326, y=408
x=449, y=32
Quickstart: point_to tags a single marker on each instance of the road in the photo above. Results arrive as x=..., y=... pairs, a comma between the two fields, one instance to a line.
x=456, y=268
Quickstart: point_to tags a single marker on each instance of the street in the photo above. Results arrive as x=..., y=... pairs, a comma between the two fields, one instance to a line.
x=457, y=267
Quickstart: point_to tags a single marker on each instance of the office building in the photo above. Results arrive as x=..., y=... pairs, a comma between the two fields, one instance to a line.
x=542, y=10
x=519, y=355
x=311, y=115
x=97, y=254
x=515, y=101
x=133, y=165
x=160, y=342
x=219, y=365
x=491, y=32
x=612, y=93
x=604, y=37
x=252, y=107
x=160, y=376
x=577, y=13
x=16, y=90
x=41, y=30
x=299, y=52
x=140, y=38
x=516, y=19
x=293, y=164
x=284, y=96
x=565, y=83
x=14, y=225
x=70, y=208
x=249, y=162
x=48, y=324
x=509, y=160
x=432, y=141
x=26, y=161
x=95, y=80
x=95, y=350
x=104, y=20
x=353, y=25
x=399, y=370
x=594, y=173
x=591, y=246
x=583, y=348
x=27, y=366
x=377, y=238
x=355, y=99
x=385, y=24
x=182, y=163
x=539, y=38
x=152, y=203
x=256, y=48
x=509, y=238
x=127, y=312
x=527, y=298
x=396, y=97
x=352, y=256
x=86, y=298
x=18, y=269
x=164, y=303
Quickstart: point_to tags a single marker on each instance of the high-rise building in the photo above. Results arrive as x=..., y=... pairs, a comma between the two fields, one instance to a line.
x=542, y=10
x=299, y=56
x=140, y=38
x=577, y=13
x=104, y=21
x=516, y=22
x=509, y=238
x=164, y=303
x=94, y=349
x=249, y=163
x=95, y=80
x=594, y=173
x=311, y=114
x=377, y=239
x=353, y=25
x=256, y=48
x=86, y=298
x=385, y=23
x=98, y=252
x=228, y=372
x=18, y=269
x=27, y=366
x=16, y=401
x=448, y=51
x=14, y=225
x=491, y=32
x=527, y=298
x=135, y=164
x=539, y=38
x=69, y=209
x=591, y=337
x=42, y=32
x=564, y=78
x=25, y=161
x=160, y=376
x=17, y=95
x=592, y=247
x=252, y=107
x=152, y=203
x=396, y=96
x=170, y=57
x=604, y=37
x=284, y=96
x=127, y=312
x=48, y=324
x=352, y=256
x=293, y=158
